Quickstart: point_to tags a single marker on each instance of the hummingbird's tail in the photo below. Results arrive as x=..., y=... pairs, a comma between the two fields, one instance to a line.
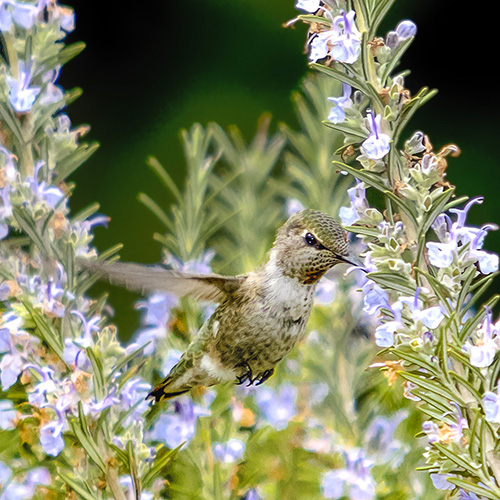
x=161, y=391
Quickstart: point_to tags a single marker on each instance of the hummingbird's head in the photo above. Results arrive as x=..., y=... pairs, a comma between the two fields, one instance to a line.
x=309, y=244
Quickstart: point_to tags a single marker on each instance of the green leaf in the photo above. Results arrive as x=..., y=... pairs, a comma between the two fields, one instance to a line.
x=12, y=123
x=396, y=58
x=473, y=488
x=393, y=282
x=378, y=14
x=161, y=461
x=365, y=231
x=156, y=210
x=164, y=177
x=99, y=380
x=78, y=485
x=436, y=387
x=472, y=323
x=407, y=209
x=28, y=225
x=309, y=18
x=345, y=129
x=414, y=358
x=465, y=463
x=72, y=161
x=79, y=428
x=341, y=76
x=370, y=178
x=45, y=330
x=437, y=208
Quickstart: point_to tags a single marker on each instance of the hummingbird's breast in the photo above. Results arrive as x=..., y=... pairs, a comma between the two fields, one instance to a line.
x=263, y=321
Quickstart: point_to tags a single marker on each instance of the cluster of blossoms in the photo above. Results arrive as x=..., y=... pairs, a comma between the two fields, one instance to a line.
x=422, y=290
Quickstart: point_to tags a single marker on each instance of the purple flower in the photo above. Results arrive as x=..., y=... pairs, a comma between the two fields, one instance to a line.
x=337, y=113
x=440, y=481
x=325, y=292
x=354, y=481
x=128, y=484
x=405, y=29
x=229, y=452
x=133, y=397
x=5, y=474
x=292, y=206
x=346, y=39
x=157, y=308
x=384, y=334
x=319, y=46
x=171, y=359
x=10, y=368
x=491, y=405
x=21, y=95
x=251, y=495
x=379, y=438
x=51, y=437
x=37, y=396
x=308, y=5
x=430, y=317
x=7, y=415
x=486, y=343
x=277, y=407
x=457, y=234
x=5, y=343
x=178, y=424
x=377, y=145
x=359, y=204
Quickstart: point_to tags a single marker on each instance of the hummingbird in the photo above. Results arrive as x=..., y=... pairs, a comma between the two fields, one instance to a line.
x=261, y=315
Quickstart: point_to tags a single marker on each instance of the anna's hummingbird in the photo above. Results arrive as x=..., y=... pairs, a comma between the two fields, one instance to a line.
x=261, y=314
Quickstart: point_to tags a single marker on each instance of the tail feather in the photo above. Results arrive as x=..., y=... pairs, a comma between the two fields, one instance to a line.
x=161, y=391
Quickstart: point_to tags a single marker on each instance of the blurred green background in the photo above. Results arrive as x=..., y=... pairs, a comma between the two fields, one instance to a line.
x=153, y=68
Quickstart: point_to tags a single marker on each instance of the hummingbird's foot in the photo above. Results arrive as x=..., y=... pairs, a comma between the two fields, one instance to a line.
x=248, y=375
x=264, y=376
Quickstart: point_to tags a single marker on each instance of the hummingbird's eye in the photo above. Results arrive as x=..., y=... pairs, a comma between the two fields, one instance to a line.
x=310, y=239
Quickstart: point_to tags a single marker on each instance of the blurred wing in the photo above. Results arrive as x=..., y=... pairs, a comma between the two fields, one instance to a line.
x=143, y=278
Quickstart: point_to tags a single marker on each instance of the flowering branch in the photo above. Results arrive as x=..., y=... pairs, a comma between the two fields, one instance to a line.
x=423, y=290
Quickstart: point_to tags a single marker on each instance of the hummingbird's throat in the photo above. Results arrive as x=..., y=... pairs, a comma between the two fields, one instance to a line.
x=312, y=276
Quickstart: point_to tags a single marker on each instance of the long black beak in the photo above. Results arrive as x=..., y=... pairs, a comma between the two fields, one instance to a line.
x=347, y=261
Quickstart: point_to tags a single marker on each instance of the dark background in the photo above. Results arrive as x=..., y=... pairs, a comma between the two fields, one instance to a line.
x=156, y=67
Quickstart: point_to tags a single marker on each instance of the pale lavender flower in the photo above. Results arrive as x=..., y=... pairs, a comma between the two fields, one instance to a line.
x=171, y=359
x=466, y=495
x=346, y=39
x=456, y=234
x=230, y=452
x=405, y=29
x=440, y=481
x=308, y=5
x=431, y=317
x=5, y=474
x=491, y=405
x=178, y=424
x=5, y=341
x=24, y=14
x=319, y=46
x=384, y=334
x=37, y=396
x=10, y=368
x=377, y=145
x=292, y=206
x=337, y=113
x=277, y=407
x=25, y=490
x=52, y=93
x=354, y=481
x=157, y=308
x=486, y=343
x=8, y=415
x=21, y=95
x=133, y=399
x=128, y=485
x=359, y=204
x=51, y=437
x=251, y=495
x=325, y=292
x=431, y=429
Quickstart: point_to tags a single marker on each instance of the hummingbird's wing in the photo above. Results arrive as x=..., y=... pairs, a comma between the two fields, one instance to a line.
x=143, y=278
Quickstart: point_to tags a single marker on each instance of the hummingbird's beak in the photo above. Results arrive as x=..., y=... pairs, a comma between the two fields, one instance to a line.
x=347, y=261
